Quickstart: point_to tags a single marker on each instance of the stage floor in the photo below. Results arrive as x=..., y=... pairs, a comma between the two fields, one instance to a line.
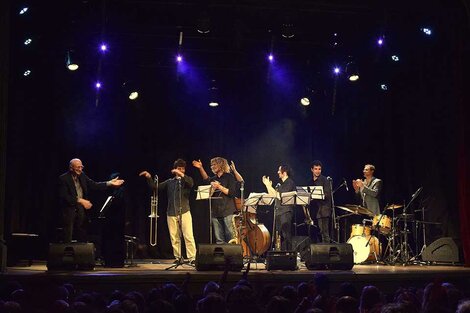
x=147, y=274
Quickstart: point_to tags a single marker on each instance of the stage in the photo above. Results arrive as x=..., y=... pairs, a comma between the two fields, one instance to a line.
x=146, y=274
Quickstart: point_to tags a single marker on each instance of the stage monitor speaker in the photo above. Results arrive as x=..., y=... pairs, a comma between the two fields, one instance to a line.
x=71, y=256
x=219, y=257
x=442, y=250
x=281, y=260
x=301, y=244
x=324, y=256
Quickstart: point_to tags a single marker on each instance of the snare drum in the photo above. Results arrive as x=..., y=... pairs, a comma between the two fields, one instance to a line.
x=385, y=224
x=360, y=230
x=361, y=252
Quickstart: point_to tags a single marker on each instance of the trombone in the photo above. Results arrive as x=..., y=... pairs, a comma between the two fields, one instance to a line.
x=153, y=214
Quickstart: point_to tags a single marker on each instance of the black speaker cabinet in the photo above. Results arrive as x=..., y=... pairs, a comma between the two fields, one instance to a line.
x=324, y=256
x=442, y=250
x=219, y=257
x=281, y=260
x=71, y=256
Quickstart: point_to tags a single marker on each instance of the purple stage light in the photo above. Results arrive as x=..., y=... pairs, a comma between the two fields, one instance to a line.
x=380, y=41
x=179, y=58
x=336, y=70
x=98, y=85
x=103, y=47
x=271, y=57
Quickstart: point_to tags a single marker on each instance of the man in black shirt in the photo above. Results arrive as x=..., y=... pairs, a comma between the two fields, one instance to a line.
x=283, y=213
x=178, y=189
x=323, y=206
x=224, y=185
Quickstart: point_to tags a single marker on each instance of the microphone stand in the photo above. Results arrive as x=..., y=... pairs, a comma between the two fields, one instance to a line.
x=180, y=261
x=334, y=219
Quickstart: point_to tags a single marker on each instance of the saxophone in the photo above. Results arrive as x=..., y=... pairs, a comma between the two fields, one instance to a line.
x=235, y=238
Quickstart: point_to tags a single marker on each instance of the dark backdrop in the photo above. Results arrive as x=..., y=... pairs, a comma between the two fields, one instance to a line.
x=409, y=131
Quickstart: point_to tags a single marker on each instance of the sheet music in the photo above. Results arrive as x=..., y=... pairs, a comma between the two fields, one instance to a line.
x=316, y=192
x=259, y=198
x=203, y=192
x=288, y=198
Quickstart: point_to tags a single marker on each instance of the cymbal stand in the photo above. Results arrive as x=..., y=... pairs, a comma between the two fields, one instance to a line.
x=418, y=258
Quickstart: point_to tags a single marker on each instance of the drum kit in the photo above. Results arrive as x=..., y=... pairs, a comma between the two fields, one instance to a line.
x=366, y=238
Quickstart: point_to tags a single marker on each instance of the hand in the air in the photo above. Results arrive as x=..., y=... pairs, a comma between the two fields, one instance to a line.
x=267, y=181
x=197, y=163
x=145, y=174
x=232, y=166
x=116, y=182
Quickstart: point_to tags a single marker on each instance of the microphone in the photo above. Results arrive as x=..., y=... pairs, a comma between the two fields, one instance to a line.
x=277, y=186
x=155, y=178
x=345, y=184
x=329, y=178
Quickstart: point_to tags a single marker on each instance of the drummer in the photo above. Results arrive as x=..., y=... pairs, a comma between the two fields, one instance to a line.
x=369, y=189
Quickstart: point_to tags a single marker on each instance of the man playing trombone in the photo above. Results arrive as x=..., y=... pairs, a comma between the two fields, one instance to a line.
x=178, y=189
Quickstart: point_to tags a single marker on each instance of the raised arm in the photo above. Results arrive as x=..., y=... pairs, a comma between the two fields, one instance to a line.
x=237, y=175
x=198, y=164
x=269, y=185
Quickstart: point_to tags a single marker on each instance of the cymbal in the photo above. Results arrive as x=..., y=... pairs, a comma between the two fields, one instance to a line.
x=393, y=206
x=346, y=209
x=405, y=216
x=357, y=209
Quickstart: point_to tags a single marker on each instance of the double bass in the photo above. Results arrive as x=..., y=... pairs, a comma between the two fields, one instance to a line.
x=253, y=236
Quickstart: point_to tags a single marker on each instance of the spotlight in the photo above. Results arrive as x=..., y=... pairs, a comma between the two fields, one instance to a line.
x=27, y=73
x=70, y=62
x=426, y=31
x=103, y=47
x=336, y=70
x=23, y=10
x=203, y=23
x=395, y=58
x=214, y=95
x=98, y=85
x=384, y=87
x=271, y=57
x=380, y=41
x=179, y=58
x=287, y=28
x=305, y=101
x=131, y=90
x=27, y=41
x=352, y=71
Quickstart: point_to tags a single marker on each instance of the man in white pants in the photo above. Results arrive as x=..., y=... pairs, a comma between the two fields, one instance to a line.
x=178, y=189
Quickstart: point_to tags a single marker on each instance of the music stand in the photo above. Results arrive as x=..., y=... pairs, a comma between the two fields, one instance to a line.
x=205, y=192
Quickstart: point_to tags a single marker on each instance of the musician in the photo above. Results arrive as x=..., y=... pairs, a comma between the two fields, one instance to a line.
x=73, y=196
x=369, y=189
x=283, y=213
x=323, y=206
x=178, y=190
x=224, y=185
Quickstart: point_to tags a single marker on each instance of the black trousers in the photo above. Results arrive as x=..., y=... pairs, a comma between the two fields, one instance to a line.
x=74, y=219
x=284, y=227
x=324, y=225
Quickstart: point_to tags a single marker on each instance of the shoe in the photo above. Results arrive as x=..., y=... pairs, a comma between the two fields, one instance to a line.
x=192, y=262
x=176, y=261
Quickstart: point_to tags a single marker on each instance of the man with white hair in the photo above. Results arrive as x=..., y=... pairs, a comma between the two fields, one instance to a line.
x=73, y=195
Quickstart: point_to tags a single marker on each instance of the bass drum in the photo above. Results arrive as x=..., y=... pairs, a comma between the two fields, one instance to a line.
x=363, y=251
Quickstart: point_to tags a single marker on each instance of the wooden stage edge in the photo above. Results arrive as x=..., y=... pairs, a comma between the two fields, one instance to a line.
x=151, y=273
